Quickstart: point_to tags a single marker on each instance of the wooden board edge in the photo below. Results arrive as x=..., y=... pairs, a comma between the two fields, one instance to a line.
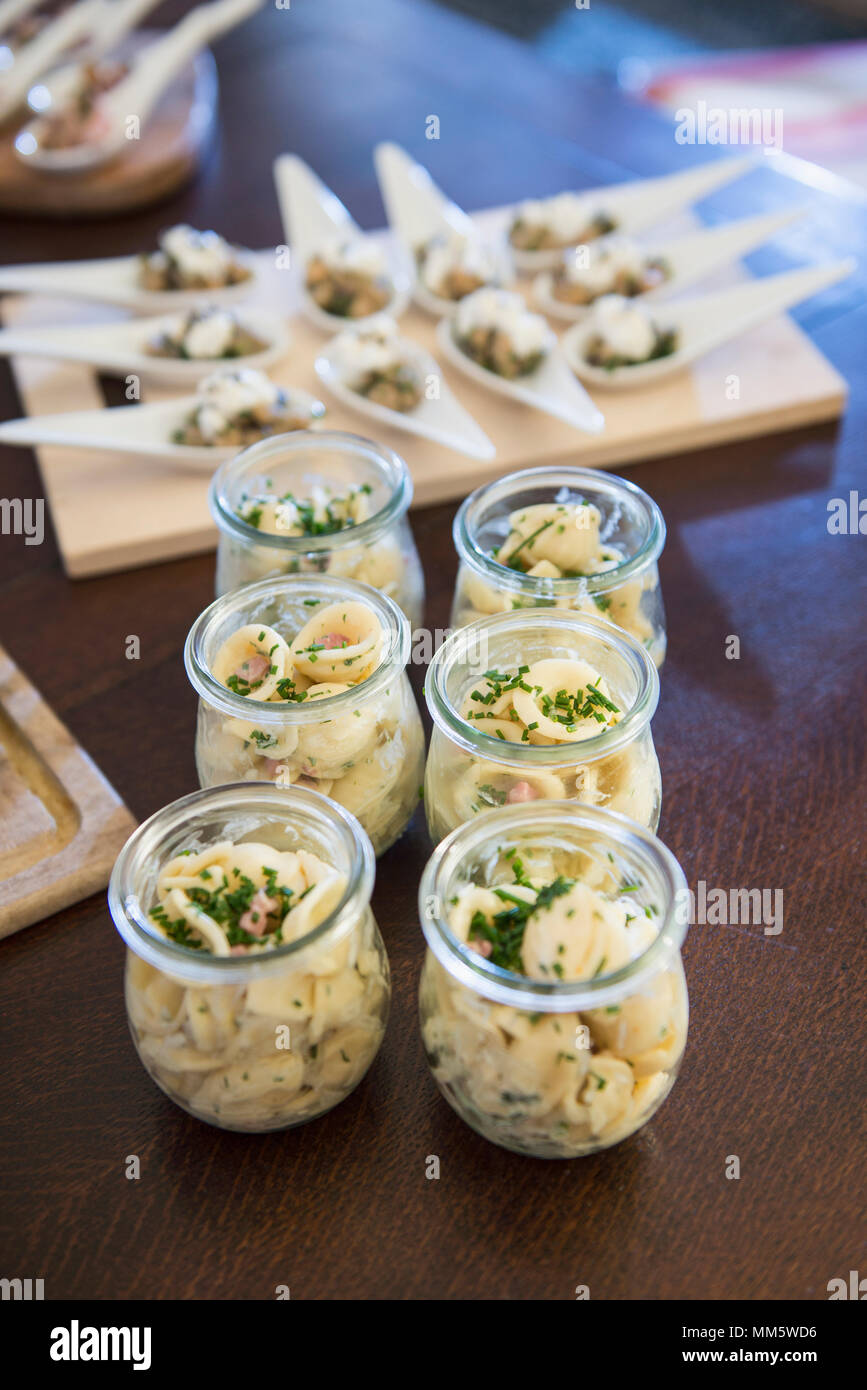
x=90, y=877
x=620, y=453
x=102, y=560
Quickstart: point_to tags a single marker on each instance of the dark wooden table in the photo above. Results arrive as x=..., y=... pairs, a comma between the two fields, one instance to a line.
x=763, y=770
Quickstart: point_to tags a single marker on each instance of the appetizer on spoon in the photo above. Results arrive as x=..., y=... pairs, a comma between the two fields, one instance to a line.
x=187, y=265
x=343, y=274
x=620, y=265
x=230, y=410
x=623, y=344
x=18, y=27
x=103, y=134
x=450, y=257
x=494, y=339
x=394, y=381
x=175, y=348
x=67, y=94
x=541, y=229
x=27, y=61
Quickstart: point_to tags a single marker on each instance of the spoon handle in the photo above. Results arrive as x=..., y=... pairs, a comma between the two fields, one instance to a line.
x=39, y=55
x=160, y=63
x=12, y=10
x=120, y=17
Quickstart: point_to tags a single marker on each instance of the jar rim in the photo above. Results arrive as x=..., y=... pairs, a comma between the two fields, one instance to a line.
x=391, y=466
x=602, y=745
x=145, y=940
x=394, y=622
x=503, y=986
x=469, y=515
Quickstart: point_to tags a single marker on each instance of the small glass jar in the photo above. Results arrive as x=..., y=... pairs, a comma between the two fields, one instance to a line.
x=627, y=594
x=363, y=747
x=260, y=1041
x=470, y=771
x=379, y=551
x=555, y=1068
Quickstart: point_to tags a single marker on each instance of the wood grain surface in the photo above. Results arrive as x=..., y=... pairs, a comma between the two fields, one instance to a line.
x=62, y=825
x=764, y=787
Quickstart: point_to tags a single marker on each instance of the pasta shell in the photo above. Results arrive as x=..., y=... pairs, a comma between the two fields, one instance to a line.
x=548, y=678
x=565, y=534
x=360, y=634
x=326, y=747
x=241, y=656
x=592, y=941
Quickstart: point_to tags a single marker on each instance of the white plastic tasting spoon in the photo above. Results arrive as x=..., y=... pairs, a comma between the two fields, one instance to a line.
x=312, y=216
x=146, y=430
x=122, y=348
x=704, y=323
x=136, y=96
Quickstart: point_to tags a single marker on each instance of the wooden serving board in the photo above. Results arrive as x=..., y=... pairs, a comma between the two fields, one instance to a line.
x=150, y=169
x=63, y=825
x=116, y=511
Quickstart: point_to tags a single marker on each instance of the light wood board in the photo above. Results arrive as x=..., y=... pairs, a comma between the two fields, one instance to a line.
x=115, y=511
x=63, y=825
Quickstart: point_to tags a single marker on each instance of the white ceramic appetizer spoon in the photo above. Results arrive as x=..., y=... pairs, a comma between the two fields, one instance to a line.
x=122, y=348
x=10, y=12
x=704, y=323
x=43, y=51
x=689, y=258
x=444, y=420
x=418, y=211
x=118, y=19
x=639, y=204
x=312, y=217
x=115, y=280
x=550, y=388
x=151, y=72
x=136, y=429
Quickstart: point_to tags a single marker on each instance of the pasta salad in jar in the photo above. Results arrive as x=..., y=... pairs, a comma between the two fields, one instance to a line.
x=302, y=682
x=553, y=1002
x=257, y=983
x=571, y=538
x=318, y=503
x=531, y=707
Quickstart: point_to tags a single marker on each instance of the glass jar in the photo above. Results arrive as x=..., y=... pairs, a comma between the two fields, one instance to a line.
x=379, y=551
x=259, y=1041
x=556, y=1068
x=627, y=593
x=470, y=770
x=363, y=747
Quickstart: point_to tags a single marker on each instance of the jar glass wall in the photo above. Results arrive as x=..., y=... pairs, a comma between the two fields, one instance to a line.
x=248, y=501
x=265, y=1040
x=572, y=538
x=362, y=746
x=549, y=1066
x=475, y=763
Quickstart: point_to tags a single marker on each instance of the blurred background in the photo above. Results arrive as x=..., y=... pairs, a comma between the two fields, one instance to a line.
x=806, y=56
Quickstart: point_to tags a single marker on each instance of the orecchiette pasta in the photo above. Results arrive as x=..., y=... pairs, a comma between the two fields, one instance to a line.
x=279, y=1049
x=387, y=562
x=555, y=701
x=562, y=540
x=318, y=726
x=555, y=1084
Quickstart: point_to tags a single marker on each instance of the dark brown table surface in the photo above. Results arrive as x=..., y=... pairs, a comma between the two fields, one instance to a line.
x=763, y=772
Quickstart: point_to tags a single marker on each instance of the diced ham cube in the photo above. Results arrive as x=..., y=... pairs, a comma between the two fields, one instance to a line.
x=522, y=791
x=254, y=669
x=255, y=919
x=483, y=948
